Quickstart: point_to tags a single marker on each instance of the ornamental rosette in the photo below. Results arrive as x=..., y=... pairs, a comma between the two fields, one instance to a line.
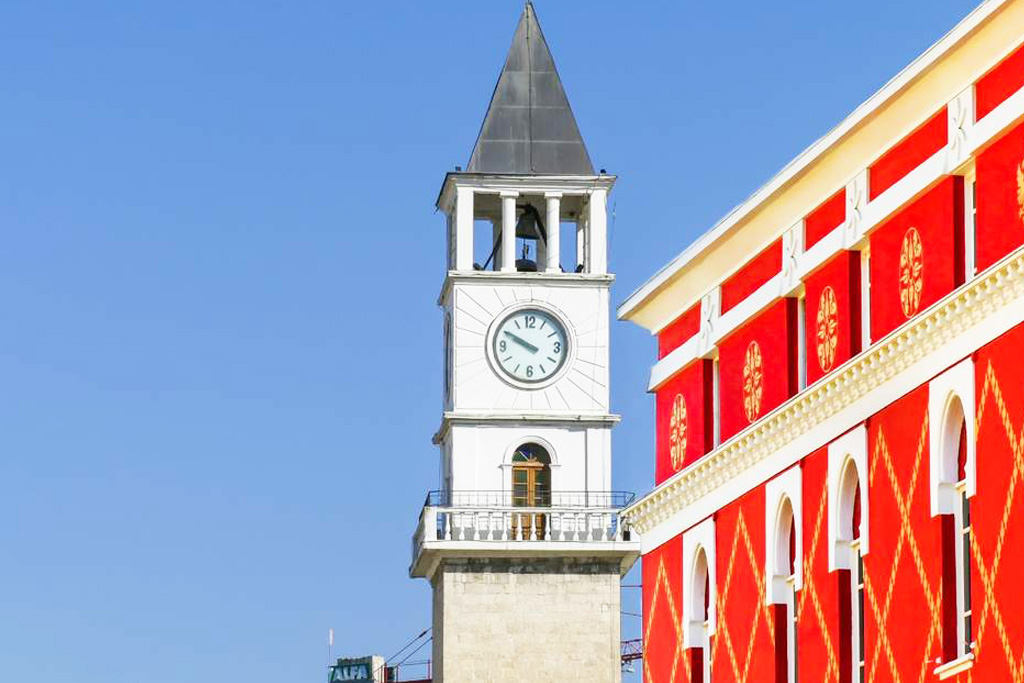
x=827, y=328
x=753, y=381
x=911, y=272
x=677, y=432
x=1020, y=190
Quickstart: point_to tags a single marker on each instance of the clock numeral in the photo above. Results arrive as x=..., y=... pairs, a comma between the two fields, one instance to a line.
x=502, y=345
x=529, y=371
x=558, y=347
x=531, y=322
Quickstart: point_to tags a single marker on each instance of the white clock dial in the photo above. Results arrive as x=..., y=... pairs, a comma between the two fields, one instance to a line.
x=530, y=345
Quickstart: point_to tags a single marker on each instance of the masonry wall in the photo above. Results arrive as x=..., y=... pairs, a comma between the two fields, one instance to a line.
x=513, y=620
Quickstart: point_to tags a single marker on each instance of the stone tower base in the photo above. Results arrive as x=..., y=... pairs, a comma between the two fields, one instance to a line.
x=505, y=620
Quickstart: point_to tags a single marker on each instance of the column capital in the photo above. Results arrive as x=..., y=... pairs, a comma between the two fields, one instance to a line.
x=509, y=194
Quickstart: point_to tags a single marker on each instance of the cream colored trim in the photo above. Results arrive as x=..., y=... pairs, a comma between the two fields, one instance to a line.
x=700, y=537
x=957, y=666
x=786, y=486
x=966, y=139
x=941, y=74
x=850, y=447
x=942, y=335
x=955, y=383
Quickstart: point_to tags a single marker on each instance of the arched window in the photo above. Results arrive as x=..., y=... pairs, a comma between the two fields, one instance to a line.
x=853, y=578
x=785, y=572
x=531, y=488
x=783, y=567
x=849, y=535
x=957, y=626
x=700, y=606
x=699, y=591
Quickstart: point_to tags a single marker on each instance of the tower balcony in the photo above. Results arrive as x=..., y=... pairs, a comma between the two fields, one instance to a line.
x=494, y=524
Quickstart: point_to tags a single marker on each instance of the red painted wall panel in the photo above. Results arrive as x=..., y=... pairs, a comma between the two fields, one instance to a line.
x=825, y=218
x=757, y=367
x=744, y=641
x=758, y=271
x=818, y=601
x=832, y=316
x=997, y=509
x=662, y=571
x=908, y=154
x=917, y=257
x=684, y=414
x=999, y=83
x=902, y=571
x=679, y=331
x=1000, y=198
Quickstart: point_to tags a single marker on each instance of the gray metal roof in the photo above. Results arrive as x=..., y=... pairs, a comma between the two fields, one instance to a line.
x=529, y=127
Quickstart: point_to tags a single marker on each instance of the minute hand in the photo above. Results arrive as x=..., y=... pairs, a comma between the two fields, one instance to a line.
x=522, y=342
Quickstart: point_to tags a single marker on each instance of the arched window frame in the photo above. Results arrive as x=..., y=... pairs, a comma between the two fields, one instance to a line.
x=783, y=573
x=506, y=462
x=700, y=538
x=951, y=410
x=950, y=391
x=848, y=489
x=851, y=447
x=787, y=486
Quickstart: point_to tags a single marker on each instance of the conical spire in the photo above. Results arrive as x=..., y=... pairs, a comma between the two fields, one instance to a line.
x=529, y=127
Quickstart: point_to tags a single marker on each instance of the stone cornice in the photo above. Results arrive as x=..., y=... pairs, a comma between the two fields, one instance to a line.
x=978, y=302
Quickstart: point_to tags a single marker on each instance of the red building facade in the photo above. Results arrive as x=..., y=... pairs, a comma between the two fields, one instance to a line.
x=839, y=470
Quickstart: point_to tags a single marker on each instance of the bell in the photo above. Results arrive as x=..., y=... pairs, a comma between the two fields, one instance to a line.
x=526, y=226
x=529, y=224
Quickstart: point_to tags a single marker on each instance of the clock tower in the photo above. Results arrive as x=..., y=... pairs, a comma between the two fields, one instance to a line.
x=522, y=540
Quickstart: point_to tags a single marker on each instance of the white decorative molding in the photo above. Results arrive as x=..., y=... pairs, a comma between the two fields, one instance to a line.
x=792, y=250
x=944, y=419
x=786, y=486
x=945, y=333
x=862, y=216
x=960, y=121
x=853, y=227
x=957, y=666
x=851, y=447
x=675, y=361
x=710, y=305
x=699, y=538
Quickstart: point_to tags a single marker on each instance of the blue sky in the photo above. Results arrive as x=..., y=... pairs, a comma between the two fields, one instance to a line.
x=220, y=358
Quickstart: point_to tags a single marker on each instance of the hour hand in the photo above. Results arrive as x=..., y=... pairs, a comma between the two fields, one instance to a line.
x=522, y=342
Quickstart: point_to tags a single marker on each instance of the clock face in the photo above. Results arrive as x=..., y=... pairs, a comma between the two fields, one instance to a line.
x=530, y=345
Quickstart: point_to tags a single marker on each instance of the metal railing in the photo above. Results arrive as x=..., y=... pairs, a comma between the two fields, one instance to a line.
x=504, y=499
x=491, y=516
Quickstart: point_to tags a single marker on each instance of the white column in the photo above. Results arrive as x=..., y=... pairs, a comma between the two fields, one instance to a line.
x=581, y=243
x=597, y=261
x=464, y=229
x=508, y=231
x=553, y=225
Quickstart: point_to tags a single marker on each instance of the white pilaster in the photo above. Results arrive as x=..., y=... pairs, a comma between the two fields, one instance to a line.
x=856, y=202
x=598, y=258
x=508, y=231
x=553, y=225
x=960, y=124
x=464, y=229
x=792, y=250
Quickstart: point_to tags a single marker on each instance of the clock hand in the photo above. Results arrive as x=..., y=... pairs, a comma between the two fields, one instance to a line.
x=522, y=342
